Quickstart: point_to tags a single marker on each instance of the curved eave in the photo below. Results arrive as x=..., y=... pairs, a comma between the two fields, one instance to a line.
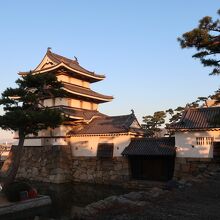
x=72, y=116
x=90, y=96
x=94, y=78
x=105, y=134
x=193, y=129
x=100, y=134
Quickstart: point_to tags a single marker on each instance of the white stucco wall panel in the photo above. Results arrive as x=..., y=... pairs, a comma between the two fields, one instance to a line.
x=63, y=78
x=187, y=147
x=75, y=103
x=120, y=143
x=84, y=146
x=95, y=106
x=48, y=102
x=74, y=81
x=61, y=101
x=87, y=105
x=33, y=142
x=87, y=146
x=86, y=84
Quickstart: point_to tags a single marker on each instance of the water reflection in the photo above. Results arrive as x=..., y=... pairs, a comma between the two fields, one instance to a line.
x=66, y=199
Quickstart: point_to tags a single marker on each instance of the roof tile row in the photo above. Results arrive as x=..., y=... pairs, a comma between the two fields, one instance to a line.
x=151, y=147
x=198, y=118
x=86, y=91
x=108, y=125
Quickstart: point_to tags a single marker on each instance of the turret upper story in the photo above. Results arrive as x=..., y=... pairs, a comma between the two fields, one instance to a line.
x=76, y=81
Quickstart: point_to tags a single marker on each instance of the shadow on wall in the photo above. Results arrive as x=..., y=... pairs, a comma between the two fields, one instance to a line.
x=187, y=146
x=89, y=147
x=195, y=151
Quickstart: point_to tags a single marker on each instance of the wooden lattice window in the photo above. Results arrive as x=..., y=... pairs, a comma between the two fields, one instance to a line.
x=204, y=141
x=105, y=150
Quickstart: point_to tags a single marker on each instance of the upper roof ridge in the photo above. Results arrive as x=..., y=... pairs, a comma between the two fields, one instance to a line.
x=60, y=58
x=203, y=108
x=59, y=61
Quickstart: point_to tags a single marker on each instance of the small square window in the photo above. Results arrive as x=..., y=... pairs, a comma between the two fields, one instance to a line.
x=105, y=150
x=209, y=140
x=201, y=141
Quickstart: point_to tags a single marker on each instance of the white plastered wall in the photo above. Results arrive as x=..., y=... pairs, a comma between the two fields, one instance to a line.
x=48, y=102
x=74, y=81
x=31, y=142
x=86, y=105
x=87, y=146
x=82, y=104
x=187, y=147
x=70, y=102
x=55, y=136
x=74, y=103
x=61, y=101
x=62, y=130
x=56, y=102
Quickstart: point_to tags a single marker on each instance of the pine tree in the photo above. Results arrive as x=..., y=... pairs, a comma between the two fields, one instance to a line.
x=25, y=114
x=152, y=124
x=205, y=38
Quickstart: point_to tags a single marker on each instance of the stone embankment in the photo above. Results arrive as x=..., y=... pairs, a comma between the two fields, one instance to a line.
x=56, y=164
x=130, y=202
x=101, y=171
x=130, y=205
x=46, y=164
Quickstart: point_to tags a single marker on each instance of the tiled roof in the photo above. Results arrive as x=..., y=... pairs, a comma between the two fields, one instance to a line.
x=150, y=147
x=198, y=118
x=80, y=113
x=109, y=124
x=87, y=92
x=71, y=63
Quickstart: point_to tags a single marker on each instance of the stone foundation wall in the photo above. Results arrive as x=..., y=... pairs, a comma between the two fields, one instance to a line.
x=103, y=171
x=55, y=164
x=46, y=164
x=186, y=167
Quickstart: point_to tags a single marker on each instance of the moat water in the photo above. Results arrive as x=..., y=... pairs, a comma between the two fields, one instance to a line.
x=65, y=199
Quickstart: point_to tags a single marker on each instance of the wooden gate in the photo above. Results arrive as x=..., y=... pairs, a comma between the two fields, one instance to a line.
x=155, y=168
x=216, y=150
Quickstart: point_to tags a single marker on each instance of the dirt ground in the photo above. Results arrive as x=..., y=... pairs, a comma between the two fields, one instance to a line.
x=199, y=201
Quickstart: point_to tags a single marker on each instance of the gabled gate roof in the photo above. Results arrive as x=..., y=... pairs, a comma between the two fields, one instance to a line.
x=151, y=147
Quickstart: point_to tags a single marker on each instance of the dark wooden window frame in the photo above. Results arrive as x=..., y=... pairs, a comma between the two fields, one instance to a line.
x=105, y=150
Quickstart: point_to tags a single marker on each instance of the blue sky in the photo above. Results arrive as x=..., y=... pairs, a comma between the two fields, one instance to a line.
x=132, y=42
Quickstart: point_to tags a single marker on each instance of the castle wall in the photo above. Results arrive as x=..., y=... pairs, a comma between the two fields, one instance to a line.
x=86, y=146
x=193, y=159
x=103, y=171
x=46, y=164
x=56, y=164
x=188, y=148
x=75, y=158
x=76, y=162
x=188, y=167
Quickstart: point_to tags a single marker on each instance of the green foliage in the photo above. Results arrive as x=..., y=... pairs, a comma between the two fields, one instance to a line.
x=23, y=109
x=153, y=123
x=205, y=38
x=25, y=114
x=216, y=96
x=175, y=114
